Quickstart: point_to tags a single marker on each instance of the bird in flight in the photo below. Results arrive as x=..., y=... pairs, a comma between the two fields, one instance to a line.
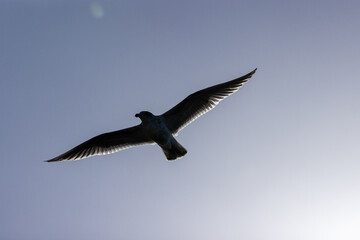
x=159, y=129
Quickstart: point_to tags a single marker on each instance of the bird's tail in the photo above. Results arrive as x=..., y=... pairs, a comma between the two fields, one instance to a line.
x=174, y=151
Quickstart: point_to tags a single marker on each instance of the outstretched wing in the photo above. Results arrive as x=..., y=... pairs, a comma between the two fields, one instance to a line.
x=201, y=102
x=105, y=144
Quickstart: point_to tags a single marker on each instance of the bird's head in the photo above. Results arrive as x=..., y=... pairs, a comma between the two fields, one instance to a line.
x=145, y=115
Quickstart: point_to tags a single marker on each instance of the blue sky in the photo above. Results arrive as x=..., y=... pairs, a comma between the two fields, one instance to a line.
x=277, y=160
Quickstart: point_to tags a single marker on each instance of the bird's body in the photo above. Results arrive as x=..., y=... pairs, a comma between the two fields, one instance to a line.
x=158, y=129
x=154, y=127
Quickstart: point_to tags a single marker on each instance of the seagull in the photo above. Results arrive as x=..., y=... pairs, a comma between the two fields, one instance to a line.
x=159, y=129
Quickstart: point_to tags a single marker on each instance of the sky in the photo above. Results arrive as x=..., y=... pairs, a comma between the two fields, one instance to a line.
x=279, y=159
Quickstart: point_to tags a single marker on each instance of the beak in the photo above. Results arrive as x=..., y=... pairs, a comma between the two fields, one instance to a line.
x=137, y=115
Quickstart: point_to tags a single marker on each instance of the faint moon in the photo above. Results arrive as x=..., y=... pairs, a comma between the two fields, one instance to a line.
x=97, y=10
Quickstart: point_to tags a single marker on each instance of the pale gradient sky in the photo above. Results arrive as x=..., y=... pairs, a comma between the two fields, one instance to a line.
x=279, y=159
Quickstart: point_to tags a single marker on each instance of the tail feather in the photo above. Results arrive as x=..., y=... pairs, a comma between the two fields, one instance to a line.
x=175, y=151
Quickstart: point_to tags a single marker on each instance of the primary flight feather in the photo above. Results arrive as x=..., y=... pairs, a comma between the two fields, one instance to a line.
x=158, y=129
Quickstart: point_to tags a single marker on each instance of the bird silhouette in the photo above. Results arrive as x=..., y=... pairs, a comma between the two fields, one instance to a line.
x=159, y=129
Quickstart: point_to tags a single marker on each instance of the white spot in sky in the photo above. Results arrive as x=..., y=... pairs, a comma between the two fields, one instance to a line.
x=97, y=10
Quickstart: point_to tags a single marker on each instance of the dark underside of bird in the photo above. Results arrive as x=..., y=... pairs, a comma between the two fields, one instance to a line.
x=159, y=129
x=174, y=151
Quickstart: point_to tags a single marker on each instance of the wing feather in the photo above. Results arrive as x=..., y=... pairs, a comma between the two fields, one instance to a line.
x=105, y=144
x=201, y=102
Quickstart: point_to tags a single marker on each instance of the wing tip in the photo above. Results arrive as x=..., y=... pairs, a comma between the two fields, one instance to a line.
x=58, y=159
x=52, y=160
x=252, y=72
